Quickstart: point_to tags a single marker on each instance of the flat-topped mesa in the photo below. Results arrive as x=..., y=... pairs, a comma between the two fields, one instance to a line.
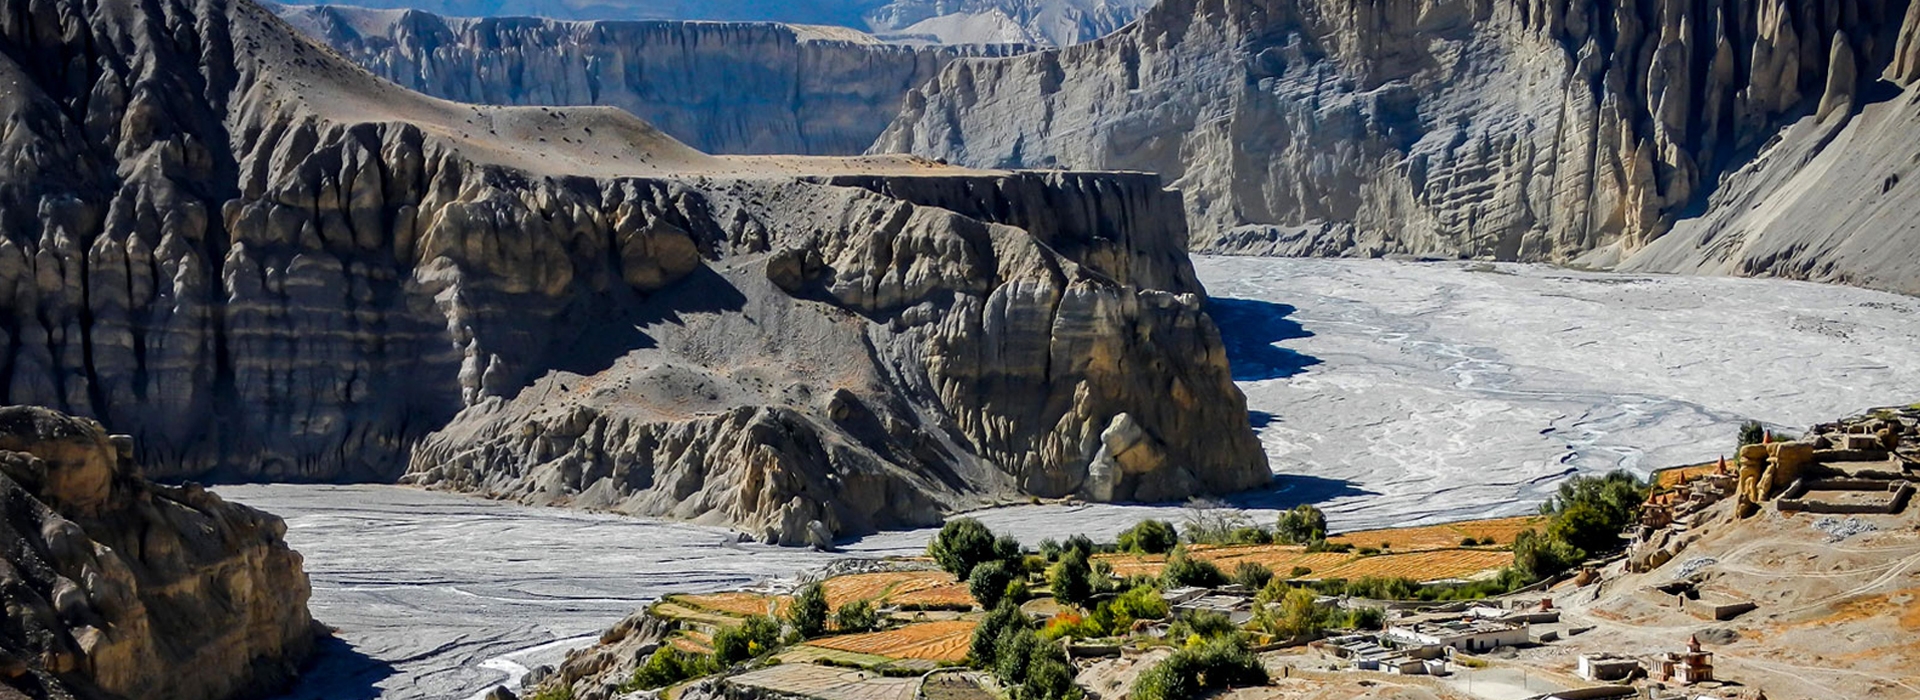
x=119, y=588
x=722, y=87
x=1540, y=131
x=266, y=263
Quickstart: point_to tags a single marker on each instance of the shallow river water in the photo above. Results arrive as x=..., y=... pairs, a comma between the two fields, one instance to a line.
x=1389, y=393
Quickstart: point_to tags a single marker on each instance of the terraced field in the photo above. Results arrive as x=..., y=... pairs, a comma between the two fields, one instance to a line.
x=944, y=641
x=1432, y=565
x=930, y=589
x=1501, y=530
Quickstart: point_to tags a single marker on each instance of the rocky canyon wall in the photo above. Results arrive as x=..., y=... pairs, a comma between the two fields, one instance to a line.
x=119, y=588
x=266, y=263
x=1555, y=130
x=721, y=87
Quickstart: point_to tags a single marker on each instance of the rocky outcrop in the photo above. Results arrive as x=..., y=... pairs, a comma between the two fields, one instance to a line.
x=118, y=588
x=1545, y=130
x=721, y=87
x=266, y=263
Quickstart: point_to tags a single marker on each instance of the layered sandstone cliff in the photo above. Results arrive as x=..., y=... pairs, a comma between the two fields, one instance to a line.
x=1540, y=130
x=721, y=87
x=119, y=588
x=268, y=264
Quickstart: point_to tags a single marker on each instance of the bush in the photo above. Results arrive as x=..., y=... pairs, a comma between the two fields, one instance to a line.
x=1205, y=624
x=1325, y=546
x=1252, y=575
x=1138, y=603
x=668, y=665
x=756, y=635
x=808, y=612
x=1301, y=525
x=1299, y=615
x=1050, y=549
x=1191, y=673
x=856, y=616
x=1368, y=618
x=988, y=584
x=1537, y=556
x=1299, y=571
x=1149, y=537
x=1182, y=570
x=1072, y=579
x=1049, y=678
x=961, y=545
x=1752, y=433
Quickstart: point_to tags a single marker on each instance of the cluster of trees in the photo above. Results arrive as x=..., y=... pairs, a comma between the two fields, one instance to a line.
x=993, y=567
x=1586, y=518
x=1212, y=523
x=1214, y=656
x=807, y=617
x=1030, y=667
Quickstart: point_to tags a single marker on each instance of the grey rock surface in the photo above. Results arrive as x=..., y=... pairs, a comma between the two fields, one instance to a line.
x=265, y=263
x=115, y=587
x=1054, y=22
x=721, y=87
x=1537, y=131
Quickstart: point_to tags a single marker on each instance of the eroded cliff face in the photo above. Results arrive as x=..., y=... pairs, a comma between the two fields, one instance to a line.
x=1539, y=130
x=721, y=87
x=119, y=588
x=267, y=264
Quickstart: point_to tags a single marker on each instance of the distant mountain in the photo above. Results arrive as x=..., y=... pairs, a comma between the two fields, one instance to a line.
x=1051, y=22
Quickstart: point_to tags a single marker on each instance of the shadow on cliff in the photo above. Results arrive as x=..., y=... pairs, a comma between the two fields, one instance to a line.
x=614, y=327
x=338, y=671
x=1252, y=330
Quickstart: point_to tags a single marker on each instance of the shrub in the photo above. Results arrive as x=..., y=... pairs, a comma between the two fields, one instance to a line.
x=857, y=616
x=1752, y=433
x=1072, y=579
x=808, y=612
x=1537, y=556
x=1205, y=624
x=754, y=636
x=1367, y=618
x=1299, y=571
x=557, y=691
x=1049, y=678
x=1050, y=549
x=1299, y=615
x=1183, y=570
x=961, y=545
x=1368, y=551
x=1190, y=673
x=988, y=584
x=1325, y=546
x=667, y=666
x=1252, y=575
x=1301, y=525
x=1138, y=603
x=1081, y=544
x=1149, y=537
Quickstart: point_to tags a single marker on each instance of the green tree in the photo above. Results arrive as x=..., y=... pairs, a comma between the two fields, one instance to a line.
x=962, y=544
x=1192, y=673
x=1072, y=579
x=1149, y=537
x=988, y=583
x=1252, y=575
x=1299, y=615
x=982, y=651
x=668, y=665
x=808, y=612
x=1301, y=525
x=1012, y=653
x=856, y=616
x=1752, y=433
x=1537, y=556
x=756, y=635
x=1049, y=678
x=1183, y=570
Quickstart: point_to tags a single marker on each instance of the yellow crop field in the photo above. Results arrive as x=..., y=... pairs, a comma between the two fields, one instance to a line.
x=931, y=641
x=1408, y=539
x=898, y=588
x=1423, y=566
x=741, y=603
